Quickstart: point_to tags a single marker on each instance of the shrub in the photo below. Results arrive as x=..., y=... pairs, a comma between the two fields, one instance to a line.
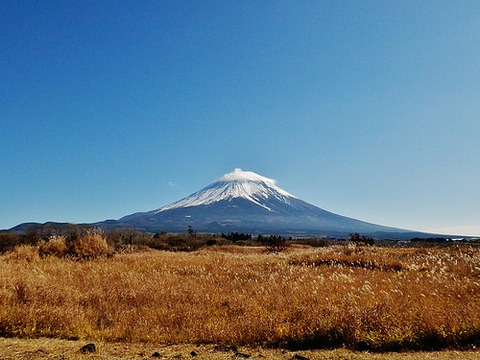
x=92, y=244
x=314, y=242
x=55, y=246
x=26, y=253
x=275, y=244
x=358, y=239
x=8, y=241
x=122, y=238
x=183, y=242
x=235, y=236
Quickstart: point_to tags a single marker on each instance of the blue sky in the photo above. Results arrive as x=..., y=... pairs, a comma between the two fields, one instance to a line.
x=369, y=109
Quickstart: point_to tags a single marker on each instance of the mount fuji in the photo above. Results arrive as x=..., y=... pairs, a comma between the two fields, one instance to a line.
x=243, y=201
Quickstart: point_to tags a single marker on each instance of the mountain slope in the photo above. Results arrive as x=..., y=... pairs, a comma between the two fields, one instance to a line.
x=247, y=202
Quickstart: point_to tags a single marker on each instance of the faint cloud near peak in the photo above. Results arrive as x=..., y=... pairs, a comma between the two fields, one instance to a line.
x=172, y=184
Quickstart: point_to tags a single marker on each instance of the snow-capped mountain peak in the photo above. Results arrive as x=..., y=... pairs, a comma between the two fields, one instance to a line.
x=239, y=174
x=237, y=184
x=243, y=201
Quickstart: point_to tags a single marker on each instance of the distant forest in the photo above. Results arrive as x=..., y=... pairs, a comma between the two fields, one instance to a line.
x=83, y=241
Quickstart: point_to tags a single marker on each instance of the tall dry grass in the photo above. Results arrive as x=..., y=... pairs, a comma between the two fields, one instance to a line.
x=362, y=297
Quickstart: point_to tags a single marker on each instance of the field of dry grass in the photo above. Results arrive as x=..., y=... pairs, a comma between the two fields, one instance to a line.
x=365, y=298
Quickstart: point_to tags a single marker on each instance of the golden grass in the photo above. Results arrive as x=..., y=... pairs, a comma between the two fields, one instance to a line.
x=360, y=297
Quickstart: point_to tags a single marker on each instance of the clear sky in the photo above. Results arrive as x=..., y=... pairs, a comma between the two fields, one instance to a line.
x=369, y=109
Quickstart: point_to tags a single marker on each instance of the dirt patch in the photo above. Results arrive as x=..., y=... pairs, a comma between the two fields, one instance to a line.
x=47, y=348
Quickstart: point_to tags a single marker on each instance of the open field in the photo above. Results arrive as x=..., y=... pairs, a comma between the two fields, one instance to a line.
x=358, y=297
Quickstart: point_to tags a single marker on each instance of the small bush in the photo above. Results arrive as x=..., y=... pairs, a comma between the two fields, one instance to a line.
x=92, y=244
x=275, y=244
x=28, y=253
x=122, y=238
x=8, y=241
x=55, y=246
x=184, y=242
x=358, y=239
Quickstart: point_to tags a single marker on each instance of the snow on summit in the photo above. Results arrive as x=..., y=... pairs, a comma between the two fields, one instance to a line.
x=239, y=174
x=237, y=184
